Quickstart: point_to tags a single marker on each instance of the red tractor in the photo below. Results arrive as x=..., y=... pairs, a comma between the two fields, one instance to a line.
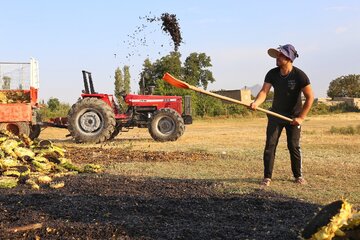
x=96, y=117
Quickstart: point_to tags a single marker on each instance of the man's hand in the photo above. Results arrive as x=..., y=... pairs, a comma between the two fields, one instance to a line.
x=260, y=98
x=253, y=106
x=297, y=121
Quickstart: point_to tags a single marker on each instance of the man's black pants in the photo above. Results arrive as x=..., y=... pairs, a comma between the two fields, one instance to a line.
x=273, y=133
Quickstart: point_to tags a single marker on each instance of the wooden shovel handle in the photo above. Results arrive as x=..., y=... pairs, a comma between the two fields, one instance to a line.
x=180, y=84
x=239, y=102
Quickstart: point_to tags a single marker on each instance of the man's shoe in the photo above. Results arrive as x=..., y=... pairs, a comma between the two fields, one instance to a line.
x=265, y=182
x=300, y=180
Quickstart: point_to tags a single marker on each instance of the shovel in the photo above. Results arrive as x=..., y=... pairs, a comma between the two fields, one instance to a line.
x=180, y=84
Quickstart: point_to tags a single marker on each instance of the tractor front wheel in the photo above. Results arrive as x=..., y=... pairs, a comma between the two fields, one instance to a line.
x=166, y=125
x=91, y=120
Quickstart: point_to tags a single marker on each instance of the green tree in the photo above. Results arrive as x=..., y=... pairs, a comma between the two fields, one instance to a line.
x=127, y=87
x=172, y=64
x=54, y=108
x=345, y=86
x=119, y=83
x=208, y=106
x=146, y=76
x=53, y=104
x=6, y=82
x=196, y=70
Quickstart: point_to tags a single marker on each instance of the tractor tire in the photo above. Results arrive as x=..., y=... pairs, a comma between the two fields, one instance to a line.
x=166, y=125
x=35, y=131
x=17, y=128
x=91, y=120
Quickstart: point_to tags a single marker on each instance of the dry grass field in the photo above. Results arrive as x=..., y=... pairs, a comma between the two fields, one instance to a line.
x=203, y=186
x=233, y=147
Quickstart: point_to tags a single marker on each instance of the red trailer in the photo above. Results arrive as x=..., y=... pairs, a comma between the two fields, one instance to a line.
x=19, y=84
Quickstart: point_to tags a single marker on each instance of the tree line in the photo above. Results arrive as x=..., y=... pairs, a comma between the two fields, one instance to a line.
x=195, y=70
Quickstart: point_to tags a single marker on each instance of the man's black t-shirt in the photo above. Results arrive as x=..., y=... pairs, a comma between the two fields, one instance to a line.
x=287, y=91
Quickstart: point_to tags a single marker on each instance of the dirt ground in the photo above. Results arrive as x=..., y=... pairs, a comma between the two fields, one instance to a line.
x=104, y=206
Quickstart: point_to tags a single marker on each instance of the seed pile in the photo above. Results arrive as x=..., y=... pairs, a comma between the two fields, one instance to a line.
x=13, y=96
x=171, y=26
x=34, y=163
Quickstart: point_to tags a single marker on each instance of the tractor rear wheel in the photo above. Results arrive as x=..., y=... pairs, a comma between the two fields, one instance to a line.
x=166, y=125
x=91, y=120
x=16, y=128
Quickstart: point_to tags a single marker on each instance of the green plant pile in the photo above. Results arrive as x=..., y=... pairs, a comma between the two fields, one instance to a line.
x=35, y=163
x=336, y=220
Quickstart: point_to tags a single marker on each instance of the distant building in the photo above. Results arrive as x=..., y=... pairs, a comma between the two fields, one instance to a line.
x=353, y=102
x=243, y=95
x=327, y=101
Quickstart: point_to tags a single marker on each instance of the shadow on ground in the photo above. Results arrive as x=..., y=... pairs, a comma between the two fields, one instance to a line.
x=116, y=207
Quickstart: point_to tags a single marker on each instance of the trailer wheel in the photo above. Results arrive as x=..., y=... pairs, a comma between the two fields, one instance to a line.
x=91, y=120
x=35, y=131
x=16, y=128
x=166, y=125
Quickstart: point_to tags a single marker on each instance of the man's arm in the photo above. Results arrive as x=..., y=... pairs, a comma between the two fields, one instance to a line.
x=309, y=99
x=260, y=98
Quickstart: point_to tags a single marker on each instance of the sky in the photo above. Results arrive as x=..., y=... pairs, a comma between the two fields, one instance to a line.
x=67, y=37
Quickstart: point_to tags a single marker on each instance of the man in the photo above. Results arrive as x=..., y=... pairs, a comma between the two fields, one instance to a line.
x=288, y=82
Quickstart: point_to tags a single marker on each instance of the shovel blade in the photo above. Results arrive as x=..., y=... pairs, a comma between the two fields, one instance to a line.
x=175, y=82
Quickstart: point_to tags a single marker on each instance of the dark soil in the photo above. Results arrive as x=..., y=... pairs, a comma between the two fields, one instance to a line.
x=103, y=206
x=106, y=156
